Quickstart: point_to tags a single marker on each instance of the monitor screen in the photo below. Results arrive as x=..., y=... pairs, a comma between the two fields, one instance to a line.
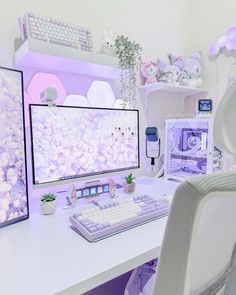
x=13, y=176
x=72, y=142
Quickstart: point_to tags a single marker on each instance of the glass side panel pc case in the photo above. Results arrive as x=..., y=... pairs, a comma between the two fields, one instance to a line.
x=13, y=182
x=71, y=142
x=188, y=148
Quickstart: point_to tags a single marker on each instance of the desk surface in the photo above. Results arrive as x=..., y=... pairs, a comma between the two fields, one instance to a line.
x=43, y=256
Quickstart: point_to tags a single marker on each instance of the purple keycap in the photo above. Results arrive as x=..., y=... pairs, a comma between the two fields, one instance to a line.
x=76, y=215
x=86, y=222
x=106, y=224
x=92, y=229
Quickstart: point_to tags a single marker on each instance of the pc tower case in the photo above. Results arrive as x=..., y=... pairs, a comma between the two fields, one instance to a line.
x=189, y=149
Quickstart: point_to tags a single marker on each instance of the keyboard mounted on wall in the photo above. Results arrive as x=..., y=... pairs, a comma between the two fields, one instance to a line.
x=55, y=31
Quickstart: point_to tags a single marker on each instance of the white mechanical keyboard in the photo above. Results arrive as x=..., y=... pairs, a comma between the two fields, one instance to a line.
x=55, y=31
x=108, y=217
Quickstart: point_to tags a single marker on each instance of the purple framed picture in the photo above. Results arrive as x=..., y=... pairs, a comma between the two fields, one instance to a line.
x=13, y=176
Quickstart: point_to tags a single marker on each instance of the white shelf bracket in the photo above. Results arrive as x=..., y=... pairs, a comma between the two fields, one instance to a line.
x=182, y=101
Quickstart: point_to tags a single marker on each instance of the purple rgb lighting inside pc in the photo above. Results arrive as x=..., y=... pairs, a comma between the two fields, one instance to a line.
x=13, y=183
x=71, y=142
x=187, y=147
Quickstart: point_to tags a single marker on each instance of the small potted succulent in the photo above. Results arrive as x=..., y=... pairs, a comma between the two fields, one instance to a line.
x=48, y=203
x=129, y=184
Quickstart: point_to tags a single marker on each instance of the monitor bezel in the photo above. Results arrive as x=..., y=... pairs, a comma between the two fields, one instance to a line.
x=26, y=216
x=74, y=178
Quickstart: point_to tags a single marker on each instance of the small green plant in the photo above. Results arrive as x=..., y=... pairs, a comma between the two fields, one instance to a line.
x=129, y=178
x=48, y=197
x=129, y=55
x=128, y=52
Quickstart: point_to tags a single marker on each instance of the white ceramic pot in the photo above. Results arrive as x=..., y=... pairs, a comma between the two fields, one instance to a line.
x=128, y=187
x=48, y=207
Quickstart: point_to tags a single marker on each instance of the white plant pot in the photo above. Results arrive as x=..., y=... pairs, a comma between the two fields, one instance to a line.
x=128, y=187
x=48, y=207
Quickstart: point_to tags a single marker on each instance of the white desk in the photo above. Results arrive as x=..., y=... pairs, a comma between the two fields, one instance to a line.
x=43, y=256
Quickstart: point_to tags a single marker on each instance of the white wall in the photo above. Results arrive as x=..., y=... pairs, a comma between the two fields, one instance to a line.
x=206, y=21
x=145, y=22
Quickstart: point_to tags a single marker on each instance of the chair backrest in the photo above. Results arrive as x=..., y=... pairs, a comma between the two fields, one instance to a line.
x=224, y=122
x=198, y=247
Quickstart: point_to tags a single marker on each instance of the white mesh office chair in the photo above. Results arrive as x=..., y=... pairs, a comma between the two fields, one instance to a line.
x=198, y=251
x=197, y=254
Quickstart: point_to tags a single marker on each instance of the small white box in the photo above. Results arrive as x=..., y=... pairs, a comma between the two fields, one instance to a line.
x=49, y=95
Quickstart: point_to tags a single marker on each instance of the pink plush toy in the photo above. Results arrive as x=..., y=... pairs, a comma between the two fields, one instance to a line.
x=150, y=72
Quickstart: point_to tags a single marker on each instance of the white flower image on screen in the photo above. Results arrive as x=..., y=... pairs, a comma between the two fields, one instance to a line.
x=69, y=141
x=13, y=200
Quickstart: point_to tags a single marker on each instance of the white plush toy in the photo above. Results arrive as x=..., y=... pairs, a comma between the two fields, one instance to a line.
x=108, y=43
x=193, y=69
x=169, y=73
x=179, y=62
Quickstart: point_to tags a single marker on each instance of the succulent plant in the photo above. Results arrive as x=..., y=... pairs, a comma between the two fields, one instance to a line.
x=129, y=178
x=48, y=197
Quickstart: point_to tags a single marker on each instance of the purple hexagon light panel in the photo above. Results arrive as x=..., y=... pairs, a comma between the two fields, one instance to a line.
x=13, y=184
x=42, y=81
x=227, y=42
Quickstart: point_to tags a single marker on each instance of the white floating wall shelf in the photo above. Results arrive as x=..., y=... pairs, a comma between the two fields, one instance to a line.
x=51, y=57
x=146, y=90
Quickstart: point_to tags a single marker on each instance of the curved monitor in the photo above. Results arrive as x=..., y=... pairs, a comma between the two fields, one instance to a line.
x=72, y=142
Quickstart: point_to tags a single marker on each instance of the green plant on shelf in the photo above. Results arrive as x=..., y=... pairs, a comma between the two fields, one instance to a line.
x=129, y=55
x=129, y=178
x=48, y=197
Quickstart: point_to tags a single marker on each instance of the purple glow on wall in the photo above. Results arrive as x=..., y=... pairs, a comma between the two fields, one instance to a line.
x=27, y=101
x=40, y=82
x=13, y=191
x=227, y=42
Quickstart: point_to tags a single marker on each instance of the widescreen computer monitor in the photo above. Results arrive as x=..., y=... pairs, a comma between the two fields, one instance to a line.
x=72, y=142
x=13, y=175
